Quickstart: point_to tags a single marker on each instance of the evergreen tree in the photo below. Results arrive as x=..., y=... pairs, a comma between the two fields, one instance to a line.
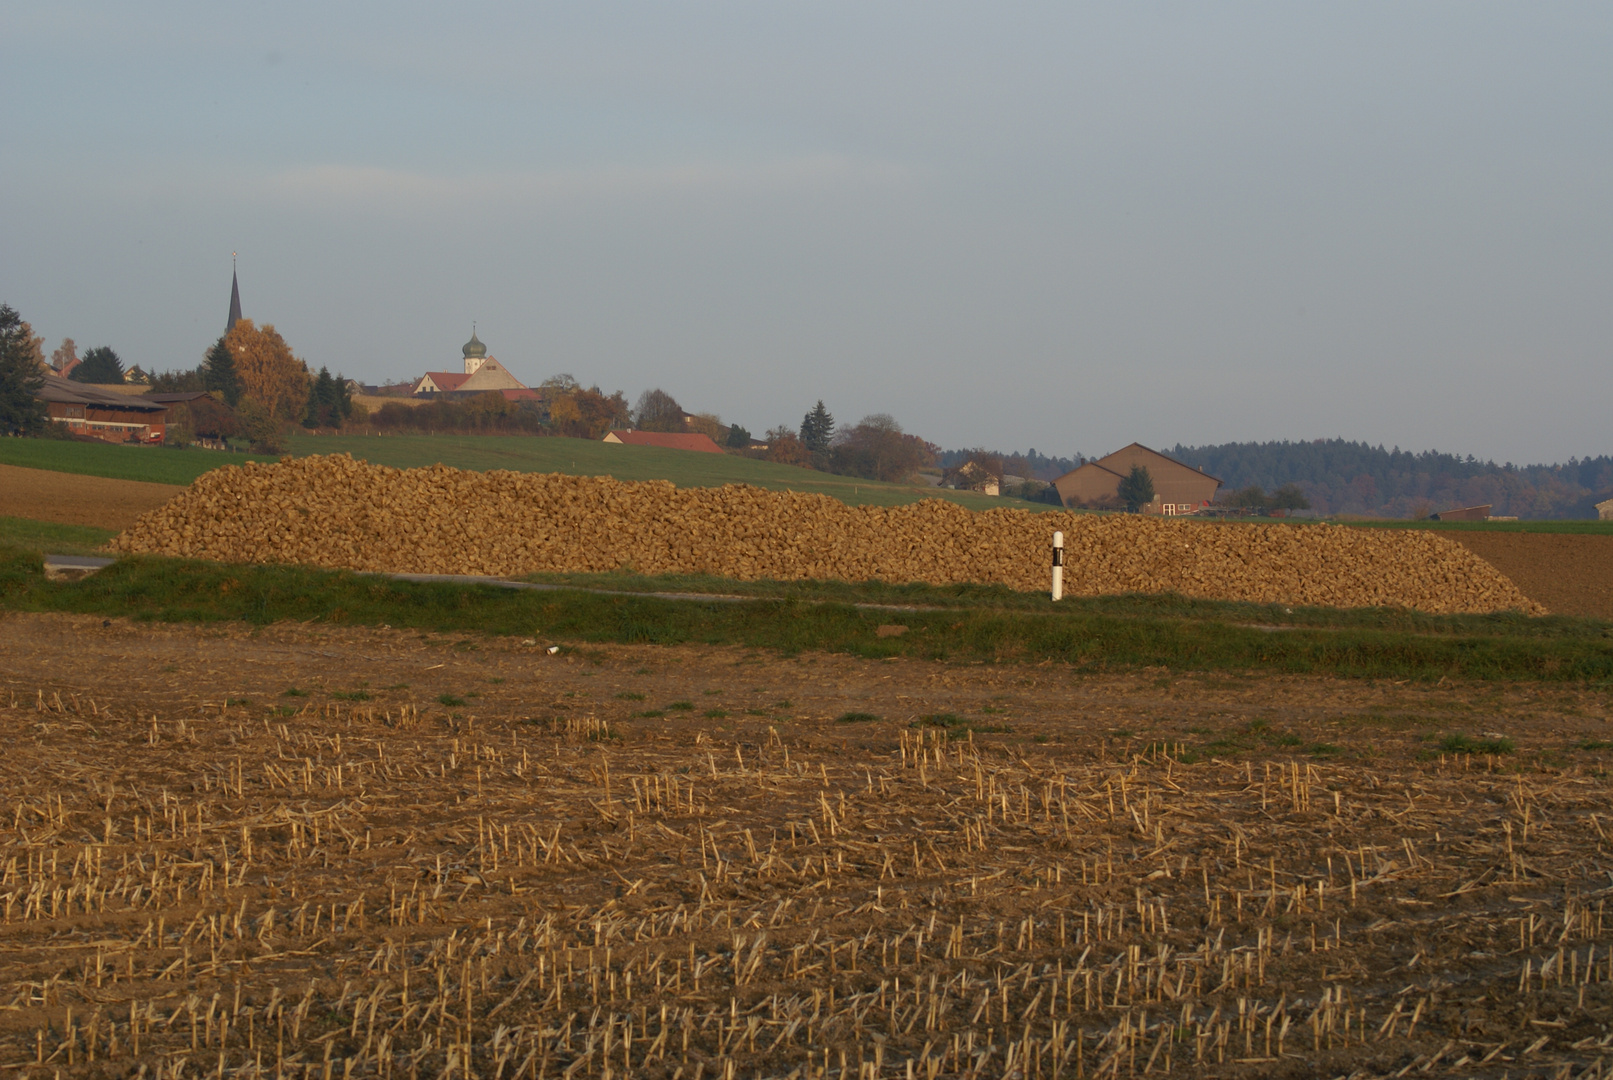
x=218, y=373
x=817, y=429
x=738, y=438
x=329, y=401
x=1137, y=489
x=101, y=365
x=21, y=377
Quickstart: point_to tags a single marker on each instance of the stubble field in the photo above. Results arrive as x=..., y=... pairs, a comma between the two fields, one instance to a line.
x=317, y=852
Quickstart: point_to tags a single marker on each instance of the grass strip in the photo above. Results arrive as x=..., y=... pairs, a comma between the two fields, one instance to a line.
x=1090, y=638
x=52, y=537
x=1132, y=605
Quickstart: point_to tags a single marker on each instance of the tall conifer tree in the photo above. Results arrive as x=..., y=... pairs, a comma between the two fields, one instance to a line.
x=218, y=373
x=817, y=428
x=21, y=377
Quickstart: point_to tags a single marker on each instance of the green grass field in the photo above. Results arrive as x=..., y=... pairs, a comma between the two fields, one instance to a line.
x=153, y=464
x=1121, y=633
x=585, y=458
x=485, y=452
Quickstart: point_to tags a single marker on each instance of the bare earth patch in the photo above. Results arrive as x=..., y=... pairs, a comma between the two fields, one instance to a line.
x=317, y=852
x=1570, y=575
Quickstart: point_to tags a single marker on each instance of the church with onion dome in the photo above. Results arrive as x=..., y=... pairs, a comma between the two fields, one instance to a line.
x=483, y=374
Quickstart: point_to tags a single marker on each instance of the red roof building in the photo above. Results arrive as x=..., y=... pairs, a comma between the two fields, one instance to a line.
x=692, y=441
x=440, y=382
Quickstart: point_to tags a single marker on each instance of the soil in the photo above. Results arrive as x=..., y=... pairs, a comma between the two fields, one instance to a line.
x=1570, y=575
x=72, y=499
x=315, y=851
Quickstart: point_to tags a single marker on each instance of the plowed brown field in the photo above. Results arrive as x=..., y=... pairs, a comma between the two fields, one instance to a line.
x=1571, y=575
x=72, y=499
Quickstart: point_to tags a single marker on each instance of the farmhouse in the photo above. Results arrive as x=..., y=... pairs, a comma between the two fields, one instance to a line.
x=482, y=374
x=668, y=440
x=972, y=476
x=86, y=409
x=1604, y=510
x=1178, y=488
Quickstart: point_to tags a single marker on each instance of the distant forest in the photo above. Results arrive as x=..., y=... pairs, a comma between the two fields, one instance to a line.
x=1341, y=477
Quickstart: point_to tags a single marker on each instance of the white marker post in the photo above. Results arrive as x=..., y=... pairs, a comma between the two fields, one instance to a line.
x=1058, y=566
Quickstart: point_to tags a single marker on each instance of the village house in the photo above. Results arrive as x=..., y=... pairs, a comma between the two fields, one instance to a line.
x=972, y=476
x=1178, y=488
x=483, y=374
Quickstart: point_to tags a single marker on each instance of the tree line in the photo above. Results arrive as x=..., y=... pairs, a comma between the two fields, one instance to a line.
x=254, y=385
x=1342, y=477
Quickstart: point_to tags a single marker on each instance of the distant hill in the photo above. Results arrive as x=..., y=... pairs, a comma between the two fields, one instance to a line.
x=1341, y=477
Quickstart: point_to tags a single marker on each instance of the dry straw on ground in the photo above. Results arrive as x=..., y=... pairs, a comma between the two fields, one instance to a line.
x=338, y=512
x=381, y=892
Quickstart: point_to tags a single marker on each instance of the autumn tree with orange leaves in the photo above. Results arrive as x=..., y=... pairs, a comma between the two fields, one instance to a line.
x=267, y=371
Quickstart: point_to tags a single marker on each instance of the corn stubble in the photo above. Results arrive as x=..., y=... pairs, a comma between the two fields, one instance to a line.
x=356, y=891
x=337, y=512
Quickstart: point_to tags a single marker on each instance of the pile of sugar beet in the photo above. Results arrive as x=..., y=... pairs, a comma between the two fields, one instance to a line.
x=335, y=511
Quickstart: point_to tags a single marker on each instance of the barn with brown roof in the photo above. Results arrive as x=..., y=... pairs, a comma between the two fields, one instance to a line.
x=87, y=409
x=1178, y=488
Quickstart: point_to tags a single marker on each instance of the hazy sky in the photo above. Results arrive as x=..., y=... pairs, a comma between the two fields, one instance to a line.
x=1059, y=226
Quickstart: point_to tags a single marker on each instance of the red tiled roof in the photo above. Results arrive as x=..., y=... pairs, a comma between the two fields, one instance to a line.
x=693, y=441
x=446, y=380
x=522, y=393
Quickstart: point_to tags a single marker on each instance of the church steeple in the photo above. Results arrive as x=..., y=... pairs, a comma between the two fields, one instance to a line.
x=475, y=352
x=235, y=297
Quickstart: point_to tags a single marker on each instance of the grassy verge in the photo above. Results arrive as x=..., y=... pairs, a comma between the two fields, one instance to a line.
x=1267, y=617
x=50, y=537
x=1129, y=633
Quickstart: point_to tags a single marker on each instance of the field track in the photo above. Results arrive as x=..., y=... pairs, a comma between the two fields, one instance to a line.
x=468, y=857
x=74, y=499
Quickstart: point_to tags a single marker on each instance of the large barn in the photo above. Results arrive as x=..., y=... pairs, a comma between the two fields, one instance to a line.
x=87, y=409
x=1178, y=488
